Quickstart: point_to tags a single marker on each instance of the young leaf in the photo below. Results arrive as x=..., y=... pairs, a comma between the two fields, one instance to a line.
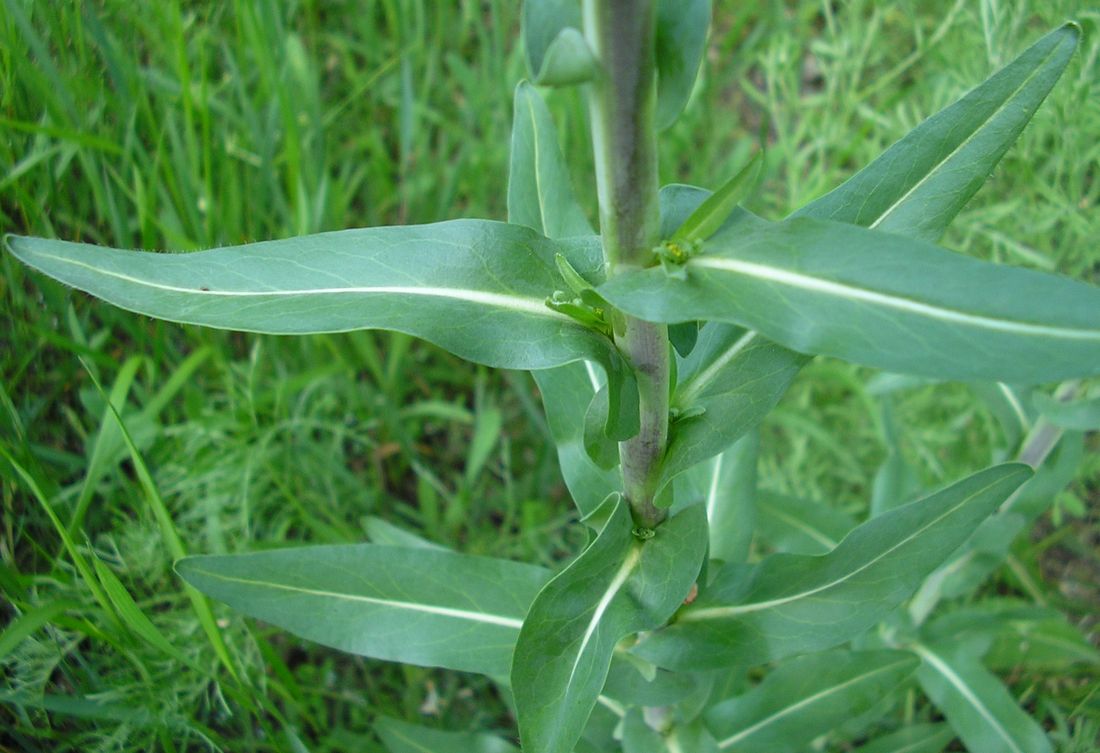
x=681, y=40
x=709, y=217
x=799, y=526
x=790, y=604
x=920, y=183
x=916, y=738
x=543, y=21
x=621, y=584
x=977, y=705
x=476, y=288
x=415, y=605
x=402, y=737
x=881, y=300
x=568, y=61
x=540, y=194
x=806, y=698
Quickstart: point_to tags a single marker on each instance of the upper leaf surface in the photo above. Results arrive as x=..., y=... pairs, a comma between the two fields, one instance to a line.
x=881, y=300
x=474, y=287
x=791, y=604
x=620, y=585
x=806, y=698
x=420, y=606
x=920, y=183
x=681, y=40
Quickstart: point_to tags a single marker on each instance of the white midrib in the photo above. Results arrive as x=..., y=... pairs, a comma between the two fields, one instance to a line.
x=499, y=300
x=699, y=382
x=841, y=290
x=712, y=492
x=625, y=569
x=733, y=611
x=460, y=614
x=949, y=674
x=808, y=700
x=965, y=142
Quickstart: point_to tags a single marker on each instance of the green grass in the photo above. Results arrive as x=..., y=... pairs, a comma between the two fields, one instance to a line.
x=189, y=125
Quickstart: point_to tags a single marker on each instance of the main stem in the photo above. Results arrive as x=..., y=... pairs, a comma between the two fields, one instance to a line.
x=622, y=101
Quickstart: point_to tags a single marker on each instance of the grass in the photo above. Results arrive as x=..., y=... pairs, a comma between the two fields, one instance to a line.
x=193, y=125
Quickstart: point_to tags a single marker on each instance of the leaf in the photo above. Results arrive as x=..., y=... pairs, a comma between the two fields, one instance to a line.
x=681, y=40
x=806, y=698
x=683, y=337
x=626, y=685
x=601, y=449
x=880, y=300
x=402, y=737
x=540, y=194
x=709, y=217
x=977, y=705
x=381, y=531
x=568, y=61
x=566, y=394
x=799, y=526
x=415, y=605
x=1079, y=415
x=473, y=287
x=727, y=385
x=916, y=738
x=543, y=21
x=790, y=604
x=620, y=585
x=920, y=183
x=639, y=737
x=726, y=486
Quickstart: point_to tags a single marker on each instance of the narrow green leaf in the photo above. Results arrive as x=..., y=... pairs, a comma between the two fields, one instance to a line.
x=683, y=337
x=1078, y=415
x=881, y=300
x=726, y=486
x=790, y=604
x=621, y=584
x=719, y=206
x=568, y=61
x=476, y=288
x=681, y=40
x=639, y=737
x=977, y=705
x=24, y=626
x=415, y=605
x=540, y=194
x=806, y=698
x=543, y=21
x=918, y=185
x=727, y=385
x=799, y=526
x=385, y=533
x=916, y=738
x=402, y=737
x=601, y=449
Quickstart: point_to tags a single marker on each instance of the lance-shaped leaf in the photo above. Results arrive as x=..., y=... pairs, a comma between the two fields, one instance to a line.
x=881, y=300
x=806, y=698
x=620, y=585
x=919, y=184
x=402, y=737
x=977, y=705
x=414, y=605
x=727, y=385
x=543, y=22
x=681, y=40
x=540, y=194
x=799, y=526
x=474, y=287
x=916, y=738
x=790, y=604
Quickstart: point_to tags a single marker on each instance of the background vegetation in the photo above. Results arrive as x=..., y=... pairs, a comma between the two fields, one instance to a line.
x=183, y=125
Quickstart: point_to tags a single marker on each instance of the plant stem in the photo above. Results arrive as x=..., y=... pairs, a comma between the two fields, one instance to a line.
x=621, y=102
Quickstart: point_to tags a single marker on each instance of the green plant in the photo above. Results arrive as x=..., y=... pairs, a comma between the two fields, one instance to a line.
x=810, y=284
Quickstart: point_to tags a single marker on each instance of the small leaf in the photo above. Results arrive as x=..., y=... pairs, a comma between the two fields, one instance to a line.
x=639, y=737
x=601, y=449
x=683, y=337
x=805, y=698
x=977, y=705
x=1079, y=415
x=681, y=40
x=543, y=21
x=713, y=213
x=817, y=287
x=799, y=526
x=620, y=585
x=920, y=183
x=567, y=61
x=402, y=737
x=420, y=606
x=791, y=604
x=626, y=685
x=916, y=738
x=726, y=486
